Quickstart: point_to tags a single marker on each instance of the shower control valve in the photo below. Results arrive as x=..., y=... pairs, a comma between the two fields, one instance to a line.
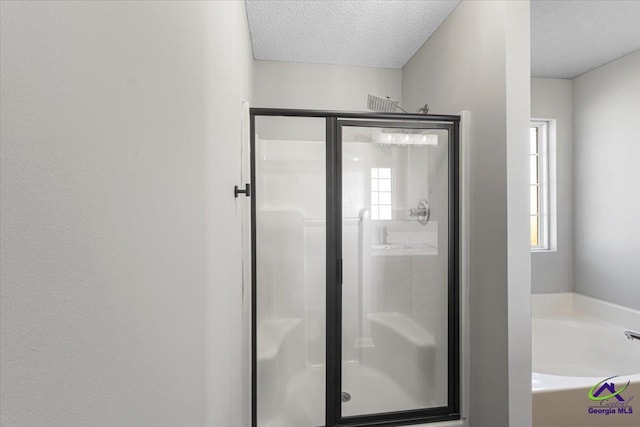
x=423, y=211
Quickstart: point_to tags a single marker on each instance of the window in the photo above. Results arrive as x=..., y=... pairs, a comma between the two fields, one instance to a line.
x=380, y=193
x=539, y=184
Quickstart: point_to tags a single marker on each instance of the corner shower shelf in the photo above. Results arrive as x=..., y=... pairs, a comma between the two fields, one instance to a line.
x=403, y=250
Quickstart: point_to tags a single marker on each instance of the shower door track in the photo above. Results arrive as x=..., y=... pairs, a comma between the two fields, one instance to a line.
x=335, y=120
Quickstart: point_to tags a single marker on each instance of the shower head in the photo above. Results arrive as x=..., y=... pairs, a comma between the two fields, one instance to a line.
x=382, y=105
x=388, y=105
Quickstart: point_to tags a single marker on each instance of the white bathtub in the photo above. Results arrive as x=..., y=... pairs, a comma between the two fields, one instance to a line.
x=577, y=343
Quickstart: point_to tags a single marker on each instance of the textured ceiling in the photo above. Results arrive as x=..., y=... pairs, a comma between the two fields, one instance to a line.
x=376, y=33
x=569, y=38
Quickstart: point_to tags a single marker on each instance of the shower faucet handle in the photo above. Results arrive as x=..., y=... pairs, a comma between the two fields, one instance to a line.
x=418, y=211
x=423, y=211
x=246, y=191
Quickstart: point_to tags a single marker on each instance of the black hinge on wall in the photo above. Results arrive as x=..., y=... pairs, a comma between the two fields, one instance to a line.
x=246, y=191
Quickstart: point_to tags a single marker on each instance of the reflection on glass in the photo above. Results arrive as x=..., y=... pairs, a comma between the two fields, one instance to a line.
x=380, y=193
x=290, y=271
x=395, y=281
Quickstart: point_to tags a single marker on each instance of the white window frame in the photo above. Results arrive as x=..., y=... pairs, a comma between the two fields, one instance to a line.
x=544, y=131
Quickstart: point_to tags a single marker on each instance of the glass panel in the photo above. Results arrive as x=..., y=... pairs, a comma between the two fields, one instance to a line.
x=375, y=212
x=533, y=140
x=385, y=212
x=290, y=272
x=533, y=170
x=533, y=200
x=395, y=270
x=385, y=198
x=534, y=230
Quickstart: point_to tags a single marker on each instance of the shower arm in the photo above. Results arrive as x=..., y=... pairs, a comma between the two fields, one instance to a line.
x=422, y=110
x=632, y=335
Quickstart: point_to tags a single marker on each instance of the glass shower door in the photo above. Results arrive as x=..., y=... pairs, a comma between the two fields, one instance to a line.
x=396, y=262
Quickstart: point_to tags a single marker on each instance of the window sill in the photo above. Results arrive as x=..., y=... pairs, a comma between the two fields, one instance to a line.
x=541, y=250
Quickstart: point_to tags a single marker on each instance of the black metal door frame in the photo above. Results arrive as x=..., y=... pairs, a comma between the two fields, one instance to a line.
x=335, y=121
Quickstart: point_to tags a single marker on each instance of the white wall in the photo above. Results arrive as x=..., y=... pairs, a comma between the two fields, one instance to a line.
x=606, y=179
x=518, y=100
x=478, y=60
x=552, y=271
x=321, y=86
x=121, y=292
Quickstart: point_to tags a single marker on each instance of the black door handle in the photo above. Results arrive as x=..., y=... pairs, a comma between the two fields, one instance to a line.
x=246, y=191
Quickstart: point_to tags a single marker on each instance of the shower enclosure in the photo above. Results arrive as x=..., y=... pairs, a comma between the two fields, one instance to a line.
x=355, y=307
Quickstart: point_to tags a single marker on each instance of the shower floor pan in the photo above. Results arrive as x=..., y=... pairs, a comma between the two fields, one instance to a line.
x=371, y=391
x=397, y=374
